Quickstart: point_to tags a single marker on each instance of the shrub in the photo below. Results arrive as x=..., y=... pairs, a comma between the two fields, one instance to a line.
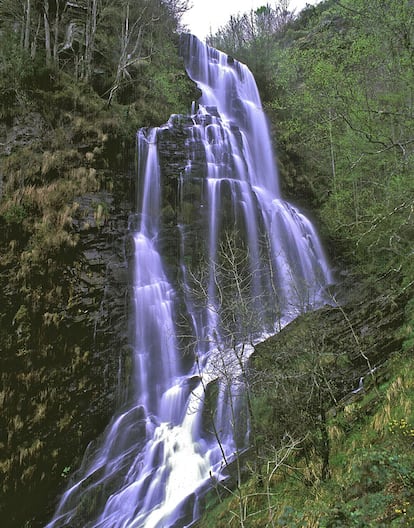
x=14, y=214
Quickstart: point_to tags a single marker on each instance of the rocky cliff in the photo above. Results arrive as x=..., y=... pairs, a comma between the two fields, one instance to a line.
x=64, y=301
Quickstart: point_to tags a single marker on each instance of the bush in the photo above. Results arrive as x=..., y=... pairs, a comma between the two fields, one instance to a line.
x=14, y=214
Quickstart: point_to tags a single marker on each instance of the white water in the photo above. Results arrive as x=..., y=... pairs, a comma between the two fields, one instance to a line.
x=158, y=452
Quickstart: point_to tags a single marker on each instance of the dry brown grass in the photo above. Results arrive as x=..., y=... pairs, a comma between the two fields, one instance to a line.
x=59, y=161
x=396, y=397
x=335, y=433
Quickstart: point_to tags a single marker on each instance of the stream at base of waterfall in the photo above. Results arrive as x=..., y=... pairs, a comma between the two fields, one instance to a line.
x=261, y=265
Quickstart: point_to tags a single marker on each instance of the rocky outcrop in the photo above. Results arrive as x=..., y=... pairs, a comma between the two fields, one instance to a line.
x=362, y=330
x=322, y=359
x=183, y=191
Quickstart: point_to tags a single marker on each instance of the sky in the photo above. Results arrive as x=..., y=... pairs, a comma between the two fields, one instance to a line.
x=212, y=14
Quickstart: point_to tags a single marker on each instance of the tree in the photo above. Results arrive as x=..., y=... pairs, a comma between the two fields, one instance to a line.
x=225, y=296
x=131, y=48
x=251, y=37
x=339, y=94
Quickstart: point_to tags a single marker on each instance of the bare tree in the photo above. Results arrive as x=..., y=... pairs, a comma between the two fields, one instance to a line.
x=48, y=48
x=91, y=24
x=131, y=46
x=27, y=23
x=258, y=25
x=226, y=290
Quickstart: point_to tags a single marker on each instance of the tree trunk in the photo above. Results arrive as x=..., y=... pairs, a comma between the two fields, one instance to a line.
x=26, y=43
x=90, y=32
x=33, y=43
x=120, y=71
x=47, y=31
x=325, y=447
x=56, y=34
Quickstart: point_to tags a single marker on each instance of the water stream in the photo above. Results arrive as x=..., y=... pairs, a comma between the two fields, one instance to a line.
x=258, y=264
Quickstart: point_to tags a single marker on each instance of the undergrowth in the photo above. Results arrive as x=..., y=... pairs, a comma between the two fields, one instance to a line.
x=371, y=480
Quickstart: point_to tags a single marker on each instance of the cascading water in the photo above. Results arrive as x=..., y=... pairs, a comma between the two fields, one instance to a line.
x=258, y=264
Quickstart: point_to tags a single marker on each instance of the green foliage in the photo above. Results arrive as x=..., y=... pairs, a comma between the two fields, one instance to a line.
x=15, y=214
x=401, y=429
x=338, y=86
x=370, y=497
x=362, y=112
x=101, y=210
x=123, y=50
x=15, y=68
x=407, y=331
x=65, y=471
x=20, y=75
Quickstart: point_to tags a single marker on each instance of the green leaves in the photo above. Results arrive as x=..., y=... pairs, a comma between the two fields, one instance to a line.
x=15, y=214
x=349, y=110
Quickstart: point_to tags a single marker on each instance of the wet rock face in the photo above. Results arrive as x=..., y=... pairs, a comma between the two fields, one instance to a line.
x=100, y=291
x=65, y=340
x=64, y=350
x=24, y=130
x=183, y=189
x=319, y=363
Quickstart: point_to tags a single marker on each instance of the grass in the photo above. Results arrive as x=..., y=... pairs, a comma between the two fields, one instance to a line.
x=371, y=469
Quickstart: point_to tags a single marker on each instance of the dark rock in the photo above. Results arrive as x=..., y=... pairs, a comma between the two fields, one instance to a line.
x=61, y=357
x=26, y=128
x=361, y=333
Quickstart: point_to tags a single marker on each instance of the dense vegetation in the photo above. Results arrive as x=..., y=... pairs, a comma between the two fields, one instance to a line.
x=77, y=79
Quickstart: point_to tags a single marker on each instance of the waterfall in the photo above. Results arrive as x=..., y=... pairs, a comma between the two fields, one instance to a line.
x=246, y=263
